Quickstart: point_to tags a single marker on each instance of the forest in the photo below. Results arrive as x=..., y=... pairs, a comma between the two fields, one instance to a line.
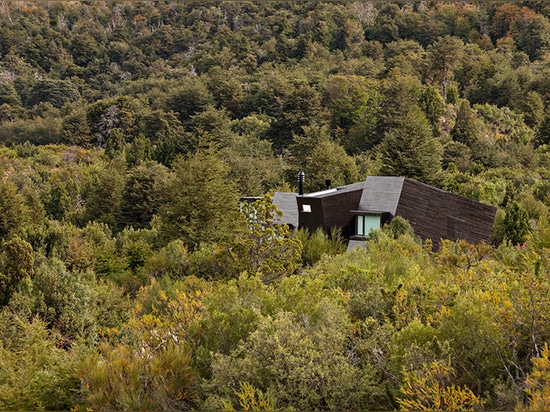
x=130, y=277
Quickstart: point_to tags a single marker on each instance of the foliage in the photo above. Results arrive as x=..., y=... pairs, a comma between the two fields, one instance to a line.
x=431, y=391
x=536, y=384
x=12, y=210
x=56, y=92
x=123, y=378
x=143, y=195
x=409, y=149
x=516, y=224
x=264, y=246
x=149, y=366
x=297, y=363
x=36, y=373
x=130, y=129
x=321, y=159
x=203, y=201
x=317, y=244
x=16, y=264
x=250, y=398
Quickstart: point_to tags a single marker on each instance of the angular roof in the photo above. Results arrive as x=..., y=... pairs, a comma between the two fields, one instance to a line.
x=381, y=194
x=286, y=203
x=337, y=190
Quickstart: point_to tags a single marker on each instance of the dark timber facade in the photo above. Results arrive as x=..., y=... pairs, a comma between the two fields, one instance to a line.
x=357, y=208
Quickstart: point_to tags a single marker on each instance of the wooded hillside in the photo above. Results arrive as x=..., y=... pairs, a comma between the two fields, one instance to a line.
x=131, y=280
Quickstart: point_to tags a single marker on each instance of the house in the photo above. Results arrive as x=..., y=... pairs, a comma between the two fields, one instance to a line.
x=357, y=208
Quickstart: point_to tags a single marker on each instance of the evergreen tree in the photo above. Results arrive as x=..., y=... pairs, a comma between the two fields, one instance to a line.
x=321, y=158
x=409, y=149
x=139, y=151
x=16, y=264
x=143, y=195
x=203, y=201
x=13, y=213
x=115, y=143
x=56, y=92
x=432, y=104
x=466, y=129
x=516, y=224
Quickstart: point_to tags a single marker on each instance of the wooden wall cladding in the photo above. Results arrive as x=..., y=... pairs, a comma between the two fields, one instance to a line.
x=436, y=214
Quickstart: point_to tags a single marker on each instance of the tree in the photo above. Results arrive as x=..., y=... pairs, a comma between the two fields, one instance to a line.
x=353, y=103
x=516, y=224
x=349, y=98
x=407, y=57
x=253, y=165
x=190, y=98
x=102, y=200
x=409, y=149
x=58, y=200
x=533, y=36
x=432, y=105
x=56, y=92
x=13, y=212
x=115, y=143
x=467, y=128
x=400, y=94
x=8, y=95
x=165, y=131
x=203, y=200
x=76, y=130
x=264, y=246
x=444, y=57
x=321, y=158
x=139, y=151
x=505, y=19
x=106, y=115
x=16, y=264
x=143, y=195
x=532, y=108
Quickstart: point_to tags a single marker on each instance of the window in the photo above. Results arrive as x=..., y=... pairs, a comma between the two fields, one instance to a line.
x=364, y=224
x=306, y=208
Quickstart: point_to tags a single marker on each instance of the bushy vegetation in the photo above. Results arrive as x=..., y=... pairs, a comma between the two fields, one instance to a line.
x=131, y=280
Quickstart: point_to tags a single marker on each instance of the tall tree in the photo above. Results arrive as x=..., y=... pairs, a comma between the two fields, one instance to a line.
x=203, y=200
x=433, y=105
x=13, y=213
x=264, y=246
x=444, y=57
x=467, y=128
x=143, y=195
x=516, y=224
x=321, y=158
x=409, y=149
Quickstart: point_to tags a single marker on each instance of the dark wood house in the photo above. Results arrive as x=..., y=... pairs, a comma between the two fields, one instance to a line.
x=357, y=208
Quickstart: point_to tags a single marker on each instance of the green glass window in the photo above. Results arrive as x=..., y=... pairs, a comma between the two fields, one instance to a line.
x=366, y=223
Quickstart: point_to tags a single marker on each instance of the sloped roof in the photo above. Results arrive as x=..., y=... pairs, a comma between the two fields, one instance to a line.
x=337, y=190
x=381, y=194
x=286, y=203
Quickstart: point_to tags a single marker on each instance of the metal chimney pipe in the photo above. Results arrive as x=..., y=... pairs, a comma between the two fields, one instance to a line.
x=328, y=183
x=301, y=180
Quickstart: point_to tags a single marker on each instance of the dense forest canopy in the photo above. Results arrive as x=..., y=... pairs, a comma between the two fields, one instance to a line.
x=131, y=280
